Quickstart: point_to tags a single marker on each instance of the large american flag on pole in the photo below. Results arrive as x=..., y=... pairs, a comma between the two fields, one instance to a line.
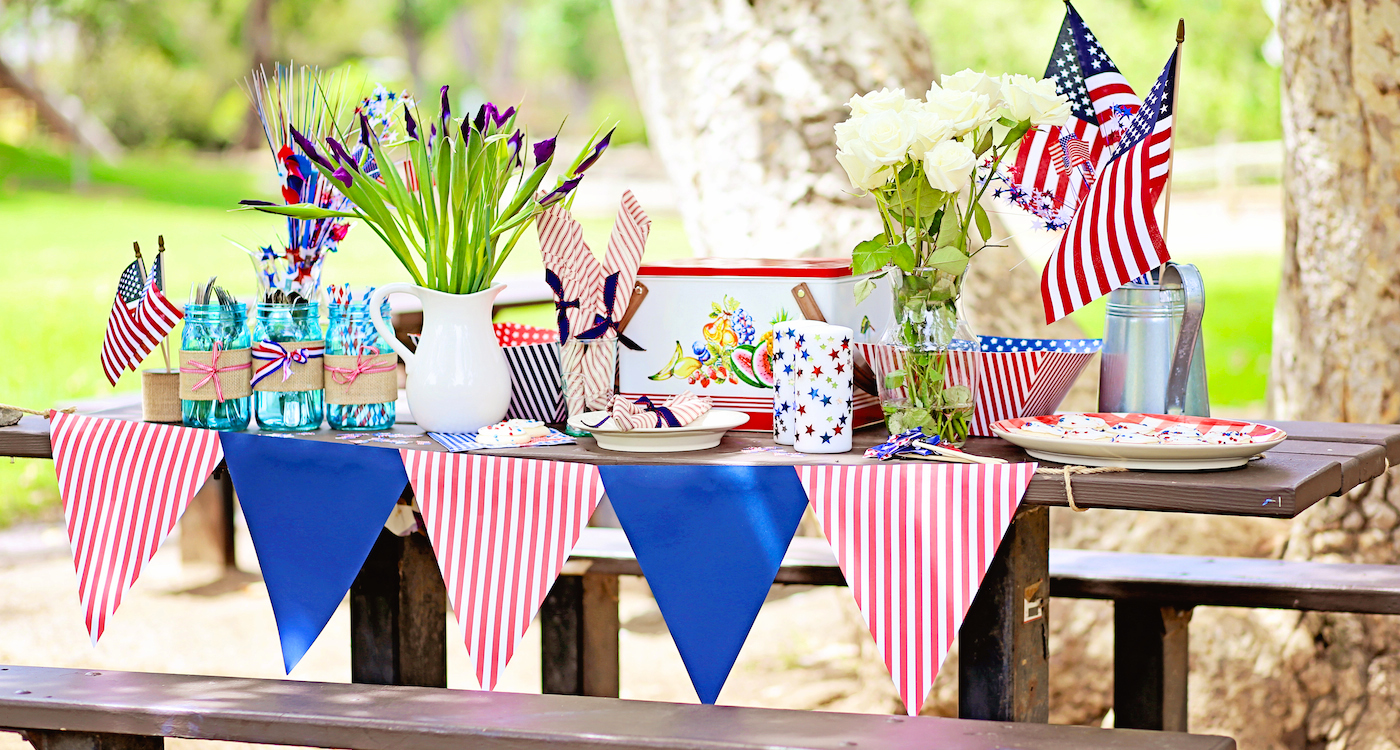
x=501, y=529
x=1113, y=237
x=141, y=316
x=914, y=541
x=1085, y=74
x=124, y=485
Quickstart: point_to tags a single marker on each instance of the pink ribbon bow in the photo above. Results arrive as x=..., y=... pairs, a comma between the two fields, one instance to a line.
x=364, y=365
x=274, y=356
x=211, y=371
x=685, y=407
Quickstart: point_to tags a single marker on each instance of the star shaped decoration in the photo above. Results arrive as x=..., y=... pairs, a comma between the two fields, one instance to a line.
x=844, y=417
x=801, y=408
x=840, y=367
x=835, y=354
x=804, y=354
x=811, y=429
x=846, y=343
x=837, y=430
x=801, y=340
x=816, y=371
x=826, y=401
x=813, y=393
x=826, y=437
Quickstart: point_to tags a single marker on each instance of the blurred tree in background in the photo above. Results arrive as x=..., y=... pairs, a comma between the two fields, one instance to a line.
x=166, y=73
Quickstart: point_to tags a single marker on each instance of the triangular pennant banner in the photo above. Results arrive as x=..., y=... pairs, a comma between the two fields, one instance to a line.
x=314, y=510
x=124, y=485
x=914, y=541
x=710, y=540
x=501, y=529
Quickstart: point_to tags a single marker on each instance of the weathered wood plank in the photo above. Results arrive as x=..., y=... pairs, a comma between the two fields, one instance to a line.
x=1003, y=645
x=207, y=527
x=1151, y=647
x=1361, y=462
x=579, y=627
x=1225, y=581
x=1384, y=435
x=51, y=740
x=398, y=615
x=364, y=717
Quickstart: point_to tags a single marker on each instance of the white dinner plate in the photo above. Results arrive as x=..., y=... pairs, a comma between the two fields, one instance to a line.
x=703, y=433
x=1153, y=456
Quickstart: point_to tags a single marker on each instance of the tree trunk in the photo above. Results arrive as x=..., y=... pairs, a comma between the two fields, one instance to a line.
x=740, y=99
x=1337, y=339
x=258, y=36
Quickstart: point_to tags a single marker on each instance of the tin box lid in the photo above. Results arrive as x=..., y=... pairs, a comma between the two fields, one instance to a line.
x=782, y=268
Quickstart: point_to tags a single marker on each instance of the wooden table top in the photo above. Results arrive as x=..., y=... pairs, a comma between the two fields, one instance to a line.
x=1317, y=460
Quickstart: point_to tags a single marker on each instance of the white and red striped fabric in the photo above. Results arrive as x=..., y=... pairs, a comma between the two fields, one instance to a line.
x=501, y=529
x=914, y=541
x=1113, y=238
x=124, y=485
x=1026, y=377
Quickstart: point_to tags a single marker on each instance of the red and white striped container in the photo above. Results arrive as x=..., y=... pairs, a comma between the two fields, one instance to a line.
x=706, y=325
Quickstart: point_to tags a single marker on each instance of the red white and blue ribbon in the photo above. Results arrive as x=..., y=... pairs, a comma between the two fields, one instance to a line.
x=273, y=357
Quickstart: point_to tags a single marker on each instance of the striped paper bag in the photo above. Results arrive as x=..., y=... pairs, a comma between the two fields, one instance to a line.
x=532, y=355
x=1026, y=377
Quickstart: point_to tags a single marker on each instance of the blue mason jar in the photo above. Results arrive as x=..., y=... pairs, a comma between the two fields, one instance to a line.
x=361, y=369
x=288, y=394
x=214, y=368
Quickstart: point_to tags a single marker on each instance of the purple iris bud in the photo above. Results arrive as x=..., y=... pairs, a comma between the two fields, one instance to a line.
x=341, y=155
x=544, y=150
x=366, y=133
x=432, y=135
x=309, y=148
x=409, y=124
x=344, y=176
x=516, y=143
x=252, y=202
x=598, y=150
x=480, y=122
x=557, y=194
x=446, y=109
x=486, y=116
x=501, y=117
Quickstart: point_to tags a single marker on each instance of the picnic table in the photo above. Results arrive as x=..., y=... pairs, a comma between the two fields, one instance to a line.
x=398, y=633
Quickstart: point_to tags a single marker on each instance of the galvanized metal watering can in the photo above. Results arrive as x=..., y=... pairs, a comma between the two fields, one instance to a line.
x=1153, y=356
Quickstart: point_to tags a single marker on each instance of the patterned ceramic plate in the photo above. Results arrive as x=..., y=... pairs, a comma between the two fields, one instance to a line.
x=1140, y=441
x=703, y=433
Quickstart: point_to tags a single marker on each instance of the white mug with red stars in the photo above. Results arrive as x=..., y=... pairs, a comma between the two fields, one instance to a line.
x=823, y=389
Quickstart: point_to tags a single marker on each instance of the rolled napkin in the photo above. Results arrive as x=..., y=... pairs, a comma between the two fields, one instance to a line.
x=678, y=411
x=823, y=389
x=788, y=338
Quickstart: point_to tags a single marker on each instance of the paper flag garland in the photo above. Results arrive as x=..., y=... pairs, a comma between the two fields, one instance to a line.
x=914, y=541
x=710, y=540
x=501, y=529
x=124, y=485
x=314, y=510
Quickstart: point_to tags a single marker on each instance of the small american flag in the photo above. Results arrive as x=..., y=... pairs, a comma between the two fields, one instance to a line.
x=141, y=316
x=1114, y=237
x=1069, y=152
x=914, y=541
x=1082, y=71
x=124, y=485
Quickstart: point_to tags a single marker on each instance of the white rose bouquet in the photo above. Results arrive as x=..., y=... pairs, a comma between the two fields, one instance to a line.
x=927, y=164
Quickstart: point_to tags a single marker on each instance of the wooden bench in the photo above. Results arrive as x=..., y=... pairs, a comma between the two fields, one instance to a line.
x=1153, y=599
x=68, y=709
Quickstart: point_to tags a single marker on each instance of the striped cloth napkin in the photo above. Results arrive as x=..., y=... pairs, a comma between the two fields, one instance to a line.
x=678, y=411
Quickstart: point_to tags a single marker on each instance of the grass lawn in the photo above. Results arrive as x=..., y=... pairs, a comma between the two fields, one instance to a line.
x=63, y=252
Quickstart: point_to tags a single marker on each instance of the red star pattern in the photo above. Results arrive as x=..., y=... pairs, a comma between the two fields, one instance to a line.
x=840, y=367
x=835, y=353
x=810, y=429
x=816, y=371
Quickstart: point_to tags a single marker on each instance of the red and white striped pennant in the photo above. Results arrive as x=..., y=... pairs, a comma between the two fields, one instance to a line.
x=914, y=541
x=501, y=529
x=124, y=485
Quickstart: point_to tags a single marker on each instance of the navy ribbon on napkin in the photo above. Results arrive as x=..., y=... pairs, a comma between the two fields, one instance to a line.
x=664, y=416
x=561, y=306
x=603, y=323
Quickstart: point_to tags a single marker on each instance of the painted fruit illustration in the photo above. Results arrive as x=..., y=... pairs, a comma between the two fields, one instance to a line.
x=729, y=351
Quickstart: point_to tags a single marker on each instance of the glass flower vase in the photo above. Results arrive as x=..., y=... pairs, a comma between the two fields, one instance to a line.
x=929, y=377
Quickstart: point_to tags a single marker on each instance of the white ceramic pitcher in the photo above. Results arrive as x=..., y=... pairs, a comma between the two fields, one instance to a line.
x=457, y=380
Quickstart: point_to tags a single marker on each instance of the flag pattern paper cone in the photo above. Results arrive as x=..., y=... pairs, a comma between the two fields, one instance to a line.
x=501, y=529
x=914, y=541
x=824, y=390
x=124, y=485
x=1026, y=377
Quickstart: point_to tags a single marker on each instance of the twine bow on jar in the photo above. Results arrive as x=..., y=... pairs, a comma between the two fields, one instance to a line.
x=274, y=356
x=364, y=365
x=211, y=371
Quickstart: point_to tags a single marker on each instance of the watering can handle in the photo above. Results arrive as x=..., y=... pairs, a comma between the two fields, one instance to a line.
x=1188, y=279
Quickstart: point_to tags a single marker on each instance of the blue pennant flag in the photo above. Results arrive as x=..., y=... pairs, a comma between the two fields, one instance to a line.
x=710, y=540
x=314, y=510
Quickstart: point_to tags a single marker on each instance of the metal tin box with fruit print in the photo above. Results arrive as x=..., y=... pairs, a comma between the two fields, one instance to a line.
x=707, y=326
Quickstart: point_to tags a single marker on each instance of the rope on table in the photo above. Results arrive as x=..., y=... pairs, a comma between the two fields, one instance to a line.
x=1066, y=471
x=12, y=417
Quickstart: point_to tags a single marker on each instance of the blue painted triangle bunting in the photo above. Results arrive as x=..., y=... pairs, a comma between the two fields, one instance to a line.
x=710, y=540
x=314, y=510
x=914, y=541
